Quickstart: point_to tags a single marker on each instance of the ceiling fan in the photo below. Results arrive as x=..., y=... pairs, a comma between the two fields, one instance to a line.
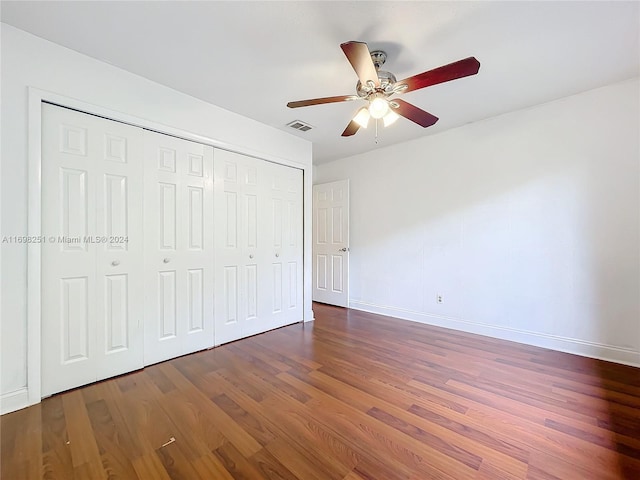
x=377, y=86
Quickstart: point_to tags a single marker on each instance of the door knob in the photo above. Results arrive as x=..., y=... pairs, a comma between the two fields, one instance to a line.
x=345, y=249
x=166, y=260
x=115, y=263
x=251, y=255
x=277, y=254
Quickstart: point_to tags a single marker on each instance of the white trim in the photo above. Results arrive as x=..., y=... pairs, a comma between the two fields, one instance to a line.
x=92, y=109
x=12, y=401
x=307, y=259
x=34, y=251
x=610, y=353
x=1, y=370
x=32, y=392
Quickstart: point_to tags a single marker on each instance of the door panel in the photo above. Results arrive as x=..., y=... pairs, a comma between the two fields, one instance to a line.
x=74, y=207
x=92, y=259
x=116, y=207
x=195, y=287
x=231, y=295
x=252, y=291
x=293, y=285
x=277, y=288
x=74, y=316
x=238, y=254
x=167, y=306
x=167, y=216
x=179, y=247
x=284, y=238
x=259, y=209
x=117, y=312
x=119, y=263
x=196, y=219
x=331, y=243
x=321, y=272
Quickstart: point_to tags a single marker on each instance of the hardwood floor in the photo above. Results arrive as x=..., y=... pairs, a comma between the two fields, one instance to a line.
x=352, y=396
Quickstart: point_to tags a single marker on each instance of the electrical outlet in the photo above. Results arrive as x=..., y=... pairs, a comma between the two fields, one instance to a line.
x=439, y=298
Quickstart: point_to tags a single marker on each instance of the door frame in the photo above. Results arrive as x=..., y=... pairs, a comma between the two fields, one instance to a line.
x=31, y=394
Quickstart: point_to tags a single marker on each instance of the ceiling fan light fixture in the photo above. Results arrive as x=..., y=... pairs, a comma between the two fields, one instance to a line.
x=390, y=118
x=375, y=86
x=362, y=117
x=378, y=107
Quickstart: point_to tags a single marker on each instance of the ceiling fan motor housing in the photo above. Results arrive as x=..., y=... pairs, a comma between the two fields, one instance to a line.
x=387, y=79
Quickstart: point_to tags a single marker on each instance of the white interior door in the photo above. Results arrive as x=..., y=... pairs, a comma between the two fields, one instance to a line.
x=258, y=214
x=92, y=248
x=331, y=243
x=240, y=253
x=284, y=243
x=179, y=248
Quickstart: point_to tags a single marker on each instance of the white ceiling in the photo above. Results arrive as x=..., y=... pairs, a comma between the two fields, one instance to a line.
x=254, y=57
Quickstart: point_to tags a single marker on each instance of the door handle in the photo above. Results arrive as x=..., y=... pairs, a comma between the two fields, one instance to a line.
x=115, y=263
x=251, y=255
x=166, y=260
x=345, y=249
x=277, y=254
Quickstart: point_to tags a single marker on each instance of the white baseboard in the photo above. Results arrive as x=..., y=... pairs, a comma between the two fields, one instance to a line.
x=308, y=317
x=601, y=351
x=12, y=401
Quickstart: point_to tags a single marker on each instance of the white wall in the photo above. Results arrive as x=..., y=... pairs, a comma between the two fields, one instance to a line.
x=30, y=61
x=527, y=224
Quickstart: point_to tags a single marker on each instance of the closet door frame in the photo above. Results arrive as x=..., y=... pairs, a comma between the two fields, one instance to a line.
x=31, y=393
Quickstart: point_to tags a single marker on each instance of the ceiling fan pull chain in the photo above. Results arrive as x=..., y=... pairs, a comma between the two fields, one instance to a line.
x=376, y=131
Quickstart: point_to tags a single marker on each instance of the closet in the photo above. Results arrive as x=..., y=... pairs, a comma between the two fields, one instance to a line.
x=154, y=247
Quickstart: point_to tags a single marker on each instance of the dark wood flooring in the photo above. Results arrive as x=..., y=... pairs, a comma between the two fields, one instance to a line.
x=352, y=396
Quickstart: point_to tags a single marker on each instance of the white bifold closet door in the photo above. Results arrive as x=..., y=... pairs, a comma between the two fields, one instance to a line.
x=132, y=239
x=92, y=248
x=283, y=234
x=258, y=236
x=179, y=247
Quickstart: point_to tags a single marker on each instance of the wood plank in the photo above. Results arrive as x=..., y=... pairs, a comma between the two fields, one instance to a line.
x=250, y=424
x=210, y=466
x=298, y=461
x=82, y=441
x=150, y=466
x=237, y=464
x=270, y=467
x=244, y=442
x=176, y=462
x=350, y=396
x=294, y=433
x=113, y=442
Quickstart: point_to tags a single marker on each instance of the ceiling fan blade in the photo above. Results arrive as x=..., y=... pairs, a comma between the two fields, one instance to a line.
x=360, y=59
x=320, y=101
x=413, y=113
x=351, y=129
x=459, y=69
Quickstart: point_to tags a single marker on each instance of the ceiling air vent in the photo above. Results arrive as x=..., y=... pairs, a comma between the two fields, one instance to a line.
x=299, y=125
